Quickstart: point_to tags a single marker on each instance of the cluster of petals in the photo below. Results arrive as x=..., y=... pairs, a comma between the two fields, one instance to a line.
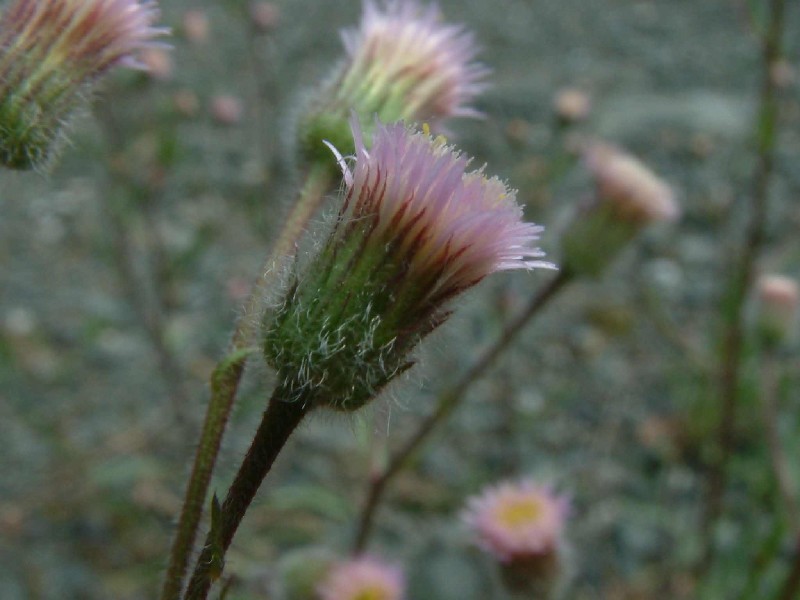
x=517, y=519
x=92, y=35
x=363, y=578
x=442, y=219
x=403, y=45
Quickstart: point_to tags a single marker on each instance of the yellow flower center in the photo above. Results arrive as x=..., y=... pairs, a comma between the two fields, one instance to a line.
x=520, y=512
x=372, y=593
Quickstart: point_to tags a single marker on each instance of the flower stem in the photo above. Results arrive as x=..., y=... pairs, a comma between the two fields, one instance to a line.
x=448, y=401
x=225, y=382
x=781, y=464
x=280, y=419
x=733, y=309
x=791, y=587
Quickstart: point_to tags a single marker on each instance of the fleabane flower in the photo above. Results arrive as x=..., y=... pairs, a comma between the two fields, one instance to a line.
x=52, y=52
x=402, y=63
x=628, y=197
x=520, y=524
x=362, y=578
x=414, y=230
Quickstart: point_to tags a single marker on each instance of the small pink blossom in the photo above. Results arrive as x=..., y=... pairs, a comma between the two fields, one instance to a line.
x=363, y=578
x=513, y=521
x=407, y=61
x=624, y=182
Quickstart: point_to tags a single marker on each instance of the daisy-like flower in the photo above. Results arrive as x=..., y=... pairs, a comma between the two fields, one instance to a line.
x=521, y=524
x=402, y=63
x=518, y=519
x=362, y=579
x=414, y=230
x=628, y=197
x=52, y=52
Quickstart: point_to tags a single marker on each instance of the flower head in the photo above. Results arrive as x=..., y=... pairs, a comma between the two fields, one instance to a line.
x=521, y=525
x=628, y=197
x=402, y=63
x=513, y=520
x=51, y=52
x=362, y=579
x=414, y=230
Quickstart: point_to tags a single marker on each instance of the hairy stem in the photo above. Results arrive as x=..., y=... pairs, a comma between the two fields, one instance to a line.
x=226, y=379
x=448, y=401
x=733, y=308
x=280, y=419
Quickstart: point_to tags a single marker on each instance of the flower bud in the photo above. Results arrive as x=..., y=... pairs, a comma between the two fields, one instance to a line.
x=414, y=230
x=521, y=525
x=628, y=197
x=571, y=106
x=52, y=53
x=778, y=298
x=402, y=63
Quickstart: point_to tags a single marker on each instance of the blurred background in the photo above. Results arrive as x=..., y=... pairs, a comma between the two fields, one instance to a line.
x=124, y=267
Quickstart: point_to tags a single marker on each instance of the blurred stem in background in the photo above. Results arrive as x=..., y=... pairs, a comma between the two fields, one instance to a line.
x=771, y=375
x=227, y=375
x=447, y=402
x=145, y=294
x=742, y=277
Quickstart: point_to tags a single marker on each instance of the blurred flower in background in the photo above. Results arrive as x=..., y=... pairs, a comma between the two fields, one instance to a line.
x=521, y=524
x=52, y=52
x=628, y=196
x=363, y=578
x=402, y=63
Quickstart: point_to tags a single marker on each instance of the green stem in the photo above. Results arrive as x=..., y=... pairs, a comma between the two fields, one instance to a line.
x=224, y=382
x=226, y=378
x=448, y=401
x=280, y=419
x=791, y=586
x=733, y=309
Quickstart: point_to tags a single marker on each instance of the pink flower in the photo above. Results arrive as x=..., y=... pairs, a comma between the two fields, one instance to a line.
x=403, y=58
x=362, y=579
x=51, y=54
x=403, y=64
x=414, y=230
x=513, y=521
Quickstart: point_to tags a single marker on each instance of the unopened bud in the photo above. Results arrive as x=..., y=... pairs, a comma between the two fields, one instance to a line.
x=402, y=63
x=52, y=53
x=571, y=106
x=778, y=299
x=628, y=196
